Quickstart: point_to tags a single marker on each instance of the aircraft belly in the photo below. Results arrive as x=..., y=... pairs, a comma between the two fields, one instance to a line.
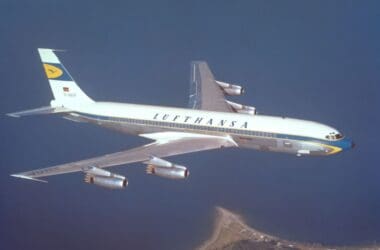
x=272, y=144
x=282, y=146
x=132, y=128
x=259, y=143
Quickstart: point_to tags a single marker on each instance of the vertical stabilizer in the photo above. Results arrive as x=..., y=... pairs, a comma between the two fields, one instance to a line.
x=63, y=86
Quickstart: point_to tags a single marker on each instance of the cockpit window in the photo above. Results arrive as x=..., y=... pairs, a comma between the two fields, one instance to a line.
x=332, y=136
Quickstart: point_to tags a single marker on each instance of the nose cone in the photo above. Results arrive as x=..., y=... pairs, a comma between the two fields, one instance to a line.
x=340, y=145
x=347, y=144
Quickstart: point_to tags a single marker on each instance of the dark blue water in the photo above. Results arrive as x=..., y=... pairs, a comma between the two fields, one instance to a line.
x=315, y=61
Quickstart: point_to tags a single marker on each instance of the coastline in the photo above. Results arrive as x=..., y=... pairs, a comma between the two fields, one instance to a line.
x=231, y=232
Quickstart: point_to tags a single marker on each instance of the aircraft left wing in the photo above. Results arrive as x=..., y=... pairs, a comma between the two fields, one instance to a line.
x=165, y=145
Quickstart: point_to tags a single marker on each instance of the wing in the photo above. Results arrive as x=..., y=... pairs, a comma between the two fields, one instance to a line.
x=173, y=144
x=205, y=92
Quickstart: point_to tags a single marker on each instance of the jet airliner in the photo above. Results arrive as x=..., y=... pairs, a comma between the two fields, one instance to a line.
x=210, y=122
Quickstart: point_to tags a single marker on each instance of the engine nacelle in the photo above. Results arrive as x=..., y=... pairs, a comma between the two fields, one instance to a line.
x=231, y=89
x=173, y=172
x=166, y=169
x=105, y=178
x=106, y=181
x=242, y=108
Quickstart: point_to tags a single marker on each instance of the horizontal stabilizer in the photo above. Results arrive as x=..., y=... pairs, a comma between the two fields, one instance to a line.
x=39, y=111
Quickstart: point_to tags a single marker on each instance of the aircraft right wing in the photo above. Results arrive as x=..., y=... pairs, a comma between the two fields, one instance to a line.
x=205, y=93
x=168, y=144
x=208, y=94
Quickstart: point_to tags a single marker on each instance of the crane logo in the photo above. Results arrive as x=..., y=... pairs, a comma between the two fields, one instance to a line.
x=51, y=71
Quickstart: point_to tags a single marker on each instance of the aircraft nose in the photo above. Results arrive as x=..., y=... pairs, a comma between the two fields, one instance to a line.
x=346, y=144
x=349, y=144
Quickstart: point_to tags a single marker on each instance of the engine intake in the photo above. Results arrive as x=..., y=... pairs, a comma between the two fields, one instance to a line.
x=231, y=89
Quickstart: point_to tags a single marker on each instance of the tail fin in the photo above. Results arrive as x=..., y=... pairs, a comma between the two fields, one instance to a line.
x=63, y=86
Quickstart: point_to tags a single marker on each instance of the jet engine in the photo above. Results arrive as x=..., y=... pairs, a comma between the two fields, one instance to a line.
x=105, y=178
x=242, y=108
x=175, y=172
x=162, y=168
x=231, y=89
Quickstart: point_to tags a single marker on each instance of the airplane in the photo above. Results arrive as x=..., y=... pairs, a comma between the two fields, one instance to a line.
x=210, y=122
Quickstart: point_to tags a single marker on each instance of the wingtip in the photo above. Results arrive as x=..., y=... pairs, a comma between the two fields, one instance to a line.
x=197, y=62
x=27, y=177
x=12, y=115
x=57, y=50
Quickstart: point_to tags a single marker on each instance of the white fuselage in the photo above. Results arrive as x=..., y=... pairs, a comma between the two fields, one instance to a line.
x=261, y=132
